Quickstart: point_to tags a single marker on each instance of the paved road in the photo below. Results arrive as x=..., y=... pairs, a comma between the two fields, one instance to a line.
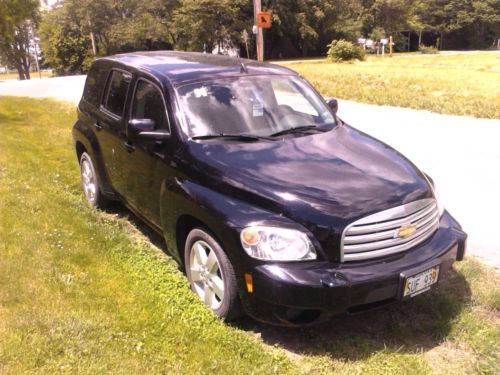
x=462, y=154
x=64, y=88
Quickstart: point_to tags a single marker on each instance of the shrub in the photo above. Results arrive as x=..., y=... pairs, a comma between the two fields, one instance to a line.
x=343, y=50
x=428, y=50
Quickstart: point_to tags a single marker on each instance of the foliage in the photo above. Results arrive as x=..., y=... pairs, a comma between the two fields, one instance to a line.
x=453, y=84
x=18, y=19
x=428, y=50
x=299, y=27
x=208, y=24
x=342, y=50
x=65, y=48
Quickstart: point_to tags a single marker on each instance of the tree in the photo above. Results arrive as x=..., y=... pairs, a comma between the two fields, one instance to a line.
x=66, y=48
x=18, y=19
x=396, y=15
x=78, y=30
x=475, y=22
x=200, y=24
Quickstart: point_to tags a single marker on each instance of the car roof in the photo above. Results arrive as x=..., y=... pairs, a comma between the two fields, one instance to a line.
x=184, y=67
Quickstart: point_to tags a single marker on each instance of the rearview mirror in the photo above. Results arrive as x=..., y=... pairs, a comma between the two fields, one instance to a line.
x=333, y=104
x=145, y=129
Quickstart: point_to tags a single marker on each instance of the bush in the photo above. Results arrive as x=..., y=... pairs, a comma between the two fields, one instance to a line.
x=343, y=50
x=428, y=50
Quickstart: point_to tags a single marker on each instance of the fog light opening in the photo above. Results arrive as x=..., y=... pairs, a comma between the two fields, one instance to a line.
x=298, y=316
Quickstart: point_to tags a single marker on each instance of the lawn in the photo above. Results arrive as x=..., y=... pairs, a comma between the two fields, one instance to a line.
x=86, y=291
x=467, y=84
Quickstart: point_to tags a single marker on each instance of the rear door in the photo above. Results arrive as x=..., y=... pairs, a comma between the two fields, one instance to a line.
x=112, y=126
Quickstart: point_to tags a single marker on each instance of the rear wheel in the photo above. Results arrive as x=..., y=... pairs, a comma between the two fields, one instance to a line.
x=211, y=274
x=90, y=184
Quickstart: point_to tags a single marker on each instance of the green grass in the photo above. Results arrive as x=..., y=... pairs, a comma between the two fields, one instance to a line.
x=453, y=84
x=85, y=291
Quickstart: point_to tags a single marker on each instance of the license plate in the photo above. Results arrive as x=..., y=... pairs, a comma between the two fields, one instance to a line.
x=420, y=282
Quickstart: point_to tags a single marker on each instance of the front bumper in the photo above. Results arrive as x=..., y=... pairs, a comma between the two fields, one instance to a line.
x=309, y=292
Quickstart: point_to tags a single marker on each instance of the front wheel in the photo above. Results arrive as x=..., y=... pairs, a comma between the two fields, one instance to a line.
x=211, y=274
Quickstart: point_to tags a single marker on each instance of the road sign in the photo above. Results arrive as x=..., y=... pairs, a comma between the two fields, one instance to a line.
x=264, y=20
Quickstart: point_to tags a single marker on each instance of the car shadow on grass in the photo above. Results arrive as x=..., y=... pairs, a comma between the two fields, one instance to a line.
x=137, y=224
x=418, y=324
x=421, y=323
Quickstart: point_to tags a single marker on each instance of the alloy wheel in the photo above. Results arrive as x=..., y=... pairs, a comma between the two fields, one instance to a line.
x=206, y=275
x=88, y=181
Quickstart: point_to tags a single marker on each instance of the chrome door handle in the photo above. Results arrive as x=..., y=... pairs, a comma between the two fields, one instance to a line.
x=97, y=126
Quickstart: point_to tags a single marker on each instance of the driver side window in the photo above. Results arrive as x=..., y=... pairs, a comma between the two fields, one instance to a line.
x=149, y=104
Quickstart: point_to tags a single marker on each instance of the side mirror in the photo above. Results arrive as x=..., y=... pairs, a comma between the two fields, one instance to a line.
x=333, y=104
x=145, y=129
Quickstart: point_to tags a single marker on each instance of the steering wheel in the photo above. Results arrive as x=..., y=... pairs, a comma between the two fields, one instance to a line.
x=288, y=116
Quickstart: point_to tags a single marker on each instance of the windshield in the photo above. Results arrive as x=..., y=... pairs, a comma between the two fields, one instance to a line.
x=259, y=106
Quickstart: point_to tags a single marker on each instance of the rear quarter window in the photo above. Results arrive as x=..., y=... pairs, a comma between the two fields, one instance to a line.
x=94, y=85
x=116, y=92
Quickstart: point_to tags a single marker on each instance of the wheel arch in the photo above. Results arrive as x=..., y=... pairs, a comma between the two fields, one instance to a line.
x=184, y=225
x=80, y=149
x=86, y=141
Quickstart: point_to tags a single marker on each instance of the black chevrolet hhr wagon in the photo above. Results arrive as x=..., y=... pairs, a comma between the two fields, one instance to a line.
x=271, y=203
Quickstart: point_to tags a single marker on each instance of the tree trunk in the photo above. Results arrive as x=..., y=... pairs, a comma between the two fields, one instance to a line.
x=419, y=39
x=25, y=64
x=20, y=72
x=92, y=39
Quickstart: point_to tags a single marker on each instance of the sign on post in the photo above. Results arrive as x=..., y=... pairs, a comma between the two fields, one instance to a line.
x=264, y=20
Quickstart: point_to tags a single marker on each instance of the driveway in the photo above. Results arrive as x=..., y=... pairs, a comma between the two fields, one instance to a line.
x=462, y=154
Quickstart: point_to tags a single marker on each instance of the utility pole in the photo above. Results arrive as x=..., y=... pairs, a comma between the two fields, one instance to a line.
x=36, y=57
x=33, y=42
x=257, y=7
x=244, y=36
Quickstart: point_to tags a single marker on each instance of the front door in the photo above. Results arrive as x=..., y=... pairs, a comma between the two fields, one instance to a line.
x=146, y=162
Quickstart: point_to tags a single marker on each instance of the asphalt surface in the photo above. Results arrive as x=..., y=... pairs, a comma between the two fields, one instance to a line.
x=462, y=154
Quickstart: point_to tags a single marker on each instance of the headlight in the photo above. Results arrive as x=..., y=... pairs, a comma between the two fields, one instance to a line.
x=438, y=200
x=436, y=194
x=272, y=243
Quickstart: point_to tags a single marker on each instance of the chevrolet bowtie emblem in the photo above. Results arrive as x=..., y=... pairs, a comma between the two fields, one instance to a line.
x=405, y=231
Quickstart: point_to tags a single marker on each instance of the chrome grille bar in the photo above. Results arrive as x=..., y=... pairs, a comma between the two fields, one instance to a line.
x=377, y=235
x=367, y=228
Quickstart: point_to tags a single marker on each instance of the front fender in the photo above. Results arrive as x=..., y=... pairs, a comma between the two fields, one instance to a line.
x=223, y=215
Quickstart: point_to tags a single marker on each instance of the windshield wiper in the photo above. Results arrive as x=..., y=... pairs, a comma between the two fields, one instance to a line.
x=241, y=137
x=296, y=129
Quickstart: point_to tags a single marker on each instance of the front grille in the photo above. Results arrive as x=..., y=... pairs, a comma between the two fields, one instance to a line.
x=377, y=235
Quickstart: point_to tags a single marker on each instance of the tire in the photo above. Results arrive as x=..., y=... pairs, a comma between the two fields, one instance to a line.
x=90, y=183
x=211, y=275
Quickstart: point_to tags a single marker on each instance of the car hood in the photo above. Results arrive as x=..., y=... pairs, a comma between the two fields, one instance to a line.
x=320, y=180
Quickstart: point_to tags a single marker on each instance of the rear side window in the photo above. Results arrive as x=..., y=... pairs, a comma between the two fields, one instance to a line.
x=94, y=85
x=116, y=92
x=148, y=104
